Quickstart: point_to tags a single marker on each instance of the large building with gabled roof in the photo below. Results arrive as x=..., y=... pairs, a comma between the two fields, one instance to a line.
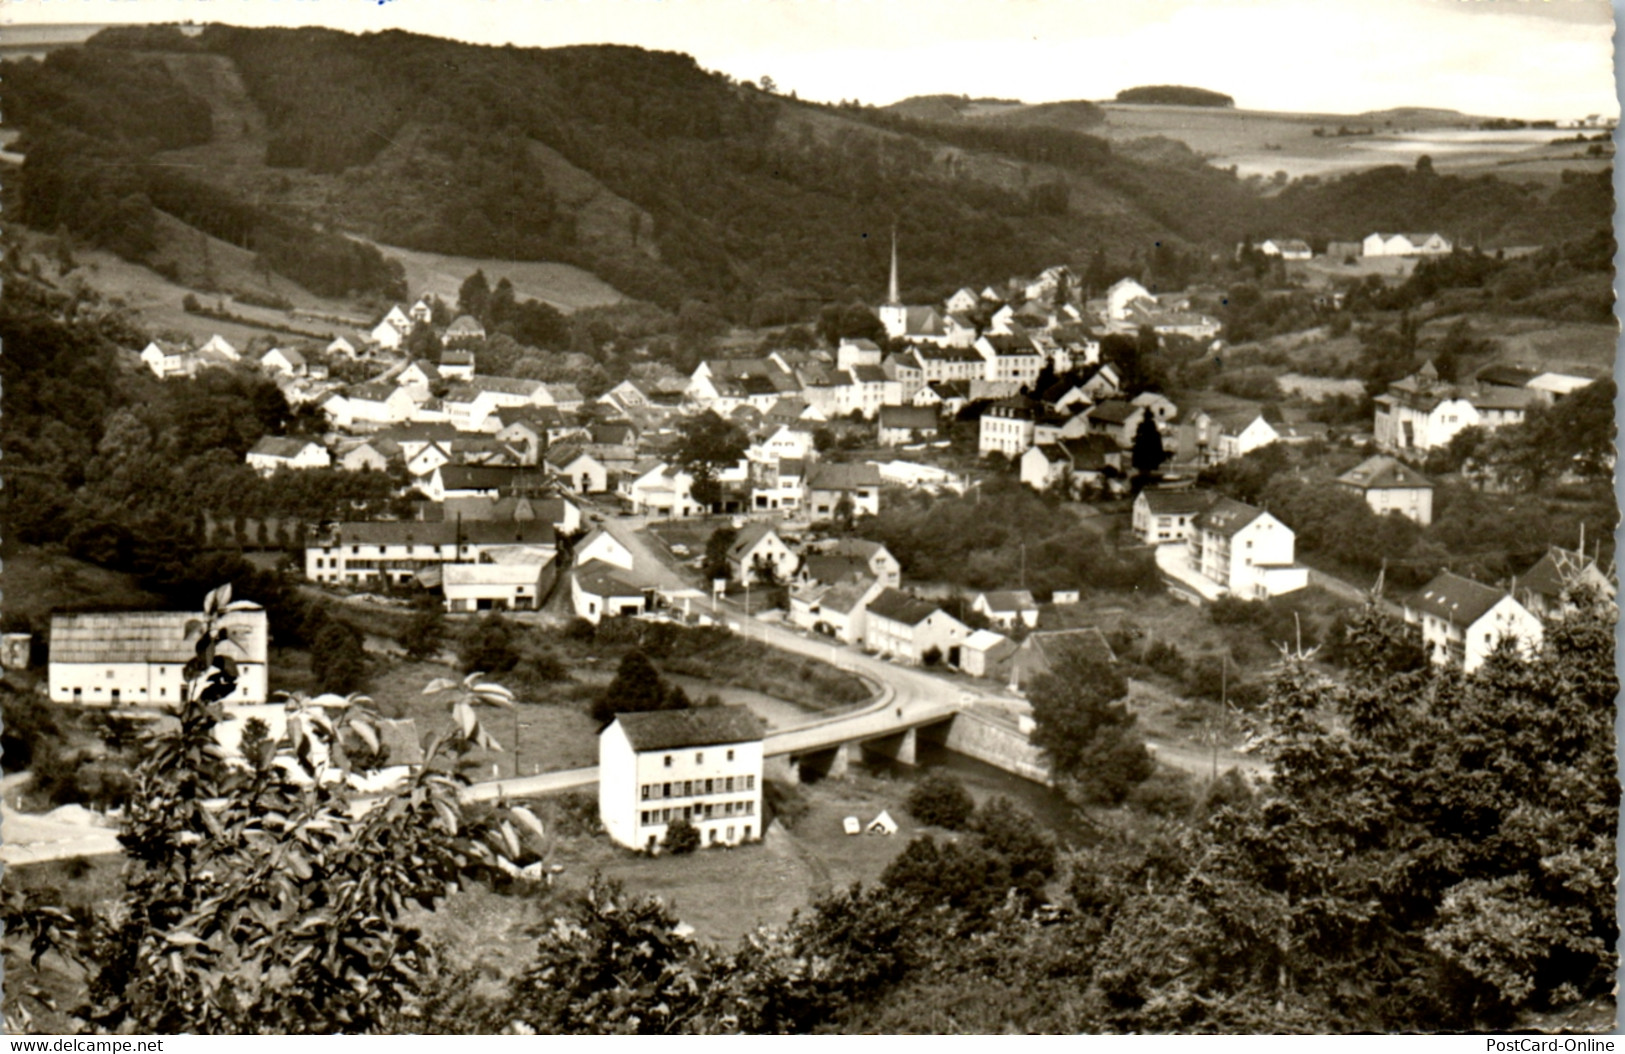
x=1245, y=551
x=118, y=659
x=1464, y=621
x=1389, y=485
x=703, y=765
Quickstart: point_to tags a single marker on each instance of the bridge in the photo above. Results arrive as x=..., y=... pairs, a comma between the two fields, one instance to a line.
x=889, y=726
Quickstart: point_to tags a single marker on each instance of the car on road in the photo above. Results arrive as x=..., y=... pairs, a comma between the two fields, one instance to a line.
x=680, y=550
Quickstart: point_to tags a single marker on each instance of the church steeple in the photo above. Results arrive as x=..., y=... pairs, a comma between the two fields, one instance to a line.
x=892, y=295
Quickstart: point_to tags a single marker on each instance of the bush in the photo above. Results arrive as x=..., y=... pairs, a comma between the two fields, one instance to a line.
x=1168, y=793
x=1230, y=790
x=490, y=645
x=941, y=801
x=782, y=802
x=681, y=837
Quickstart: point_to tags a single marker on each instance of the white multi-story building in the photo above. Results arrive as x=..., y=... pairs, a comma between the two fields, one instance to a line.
x=1006, y=428
x=1245, y=551
x=1388, y=486
x=360, y=553
x=137, y=658
x=701, y=765
x=1161, y=517
x=1421, y=412
x=1464, y=621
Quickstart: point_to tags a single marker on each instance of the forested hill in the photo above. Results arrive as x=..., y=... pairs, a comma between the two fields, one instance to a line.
x=669, y=181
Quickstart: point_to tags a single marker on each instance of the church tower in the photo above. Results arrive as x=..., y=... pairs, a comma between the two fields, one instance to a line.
x=893, y=315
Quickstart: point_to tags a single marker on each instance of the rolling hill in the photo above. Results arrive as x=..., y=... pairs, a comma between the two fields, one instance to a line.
x=668, y=182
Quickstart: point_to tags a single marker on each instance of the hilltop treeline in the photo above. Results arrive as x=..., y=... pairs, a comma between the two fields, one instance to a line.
x=1175, y=95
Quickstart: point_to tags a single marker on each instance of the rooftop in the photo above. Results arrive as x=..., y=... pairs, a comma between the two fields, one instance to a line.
x=1457, y=600
x=696, y=727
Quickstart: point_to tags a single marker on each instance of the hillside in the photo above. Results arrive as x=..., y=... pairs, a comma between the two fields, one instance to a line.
x=310, y=148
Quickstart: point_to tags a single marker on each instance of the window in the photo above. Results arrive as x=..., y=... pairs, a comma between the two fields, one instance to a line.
x=708, y=784
x=665, y=790
x=699, y=757
x=688, y=788
x=355, y=550
x=646, y=789
x=645, y=815
x=747, y=830
x=728, y=784
x=750, y=783
x=668, y=761
x=730, y=758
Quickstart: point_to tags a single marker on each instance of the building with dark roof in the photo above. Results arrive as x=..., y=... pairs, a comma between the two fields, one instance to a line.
x=1389, y=485
x=1464, y=621
x=1161, y=517
x=1047, y=651
x=136, y=658
x=1547, y=589
x=701, y=765
x=908, y=629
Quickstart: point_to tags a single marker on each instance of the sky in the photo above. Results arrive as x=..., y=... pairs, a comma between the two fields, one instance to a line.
x=1513, y=58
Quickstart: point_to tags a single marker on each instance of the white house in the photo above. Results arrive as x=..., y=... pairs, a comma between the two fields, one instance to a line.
x=1427, y=244
x=1160, y=517
x=218, y=345
x=1006, y=428
x=605, y=548
x=1422, y=412
x=840, y=610
x=1463, y=621
x=579, y=470
x=907, y=629
x=136, y=658
x=907, y=424
x=498, y=586
x=599, y=591
x=986, y=653
x=702, y=765
x=658, y=489
x=379, y=402
x=274, y=452
x=758, y=550
x=847, y=558
x=167, y=359
x=341, y=346
x=1388, y=486
x=390, y=334
x=1245, y=551
x=287, y=361
x=829, y=485
x=1285, y=248
x=1547, y=589
x=1006, y=608
x=1242, y=433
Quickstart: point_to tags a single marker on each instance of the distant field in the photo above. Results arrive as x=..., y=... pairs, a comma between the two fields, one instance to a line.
x=1261, y=142
x=561, y=285
x=1585, y=348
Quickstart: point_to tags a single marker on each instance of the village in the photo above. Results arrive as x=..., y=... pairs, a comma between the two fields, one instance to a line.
x=1003, y=522
x=533, y=501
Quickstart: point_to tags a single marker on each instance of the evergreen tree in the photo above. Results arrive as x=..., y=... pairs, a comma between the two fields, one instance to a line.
x=1148, y=453
x=338, y=659
x=474, y=298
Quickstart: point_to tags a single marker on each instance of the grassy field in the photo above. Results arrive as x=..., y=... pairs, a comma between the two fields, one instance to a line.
x=38, y=582
x=561, y=285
